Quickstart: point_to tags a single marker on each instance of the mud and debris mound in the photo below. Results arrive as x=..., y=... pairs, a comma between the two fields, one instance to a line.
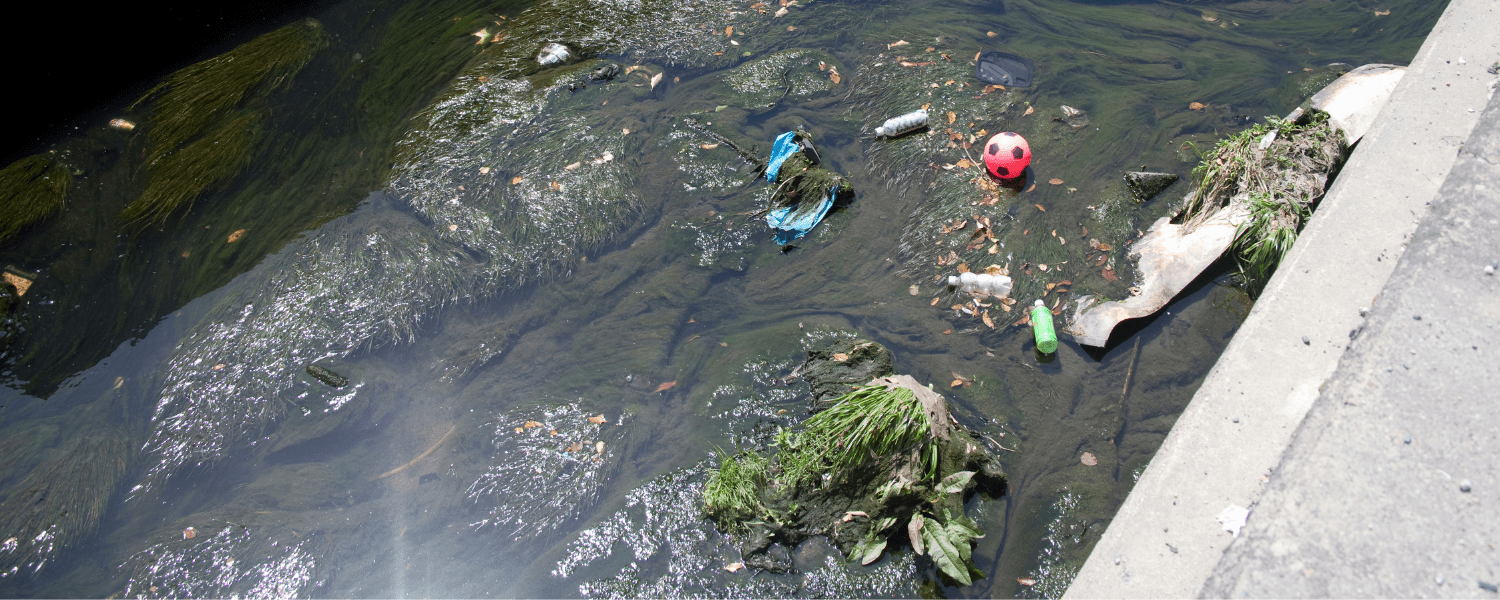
x=833, y=371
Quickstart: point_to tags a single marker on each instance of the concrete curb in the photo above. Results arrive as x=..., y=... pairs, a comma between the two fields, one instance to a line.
x=1389, y=488
x=1166, y=540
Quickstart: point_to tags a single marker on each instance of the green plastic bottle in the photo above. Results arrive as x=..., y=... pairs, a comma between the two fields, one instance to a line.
x=1041, y=327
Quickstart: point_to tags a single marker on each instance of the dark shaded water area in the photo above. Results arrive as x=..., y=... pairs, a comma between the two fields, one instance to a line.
x=552, y=305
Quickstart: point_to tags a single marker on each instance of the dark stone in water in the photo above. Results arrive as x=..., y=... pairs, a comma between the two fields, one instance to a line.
x=326, y=376
x=1146, y=185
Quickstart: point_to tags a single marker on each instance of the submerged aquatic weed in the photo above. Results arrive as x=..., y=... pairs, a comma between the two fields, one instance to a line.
x=1278, y=185
x=31, y=189
x=201, y=129
x=61, y=499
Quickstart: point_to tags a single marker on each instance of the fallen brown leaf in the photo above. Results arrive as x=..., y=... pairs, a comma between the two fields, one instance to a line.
x=708, y=146
x=1033, y=187
x=484, y=170
x=834, y=77
x=189, y=533
x=985, y=316
x=235, y=237
x=963, y=163
x=597, y=420
x=791, y=27
x=1040, y=207
x=840, y=357
x=956, y=383
x=1055, y=181
x=665, y=386
x=1026, y=581
x=1029, y=110
x=1109, y=275
x=515, y=180
x=896, y=43
x=1105, y=247
x=1043, y=267
x=952, y=117
x=556, y=187
x=573, y=166
x=947, y=331
x=991, y=33
x=530, y=425
x=1196, y=106
x=734, y=567
x=1088, y=459
x=729, y=31
x=934, y=302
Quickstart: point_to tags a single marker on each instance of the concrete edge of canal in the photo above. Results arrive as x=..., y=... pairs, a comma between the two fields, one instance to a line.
x=1225, y=450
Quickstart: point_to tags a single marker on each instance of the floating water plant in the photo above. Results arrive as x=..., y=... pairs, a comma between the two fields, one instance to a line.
x=31, y=189
x=884, y=454
x=202, y=120
x=1277, y=182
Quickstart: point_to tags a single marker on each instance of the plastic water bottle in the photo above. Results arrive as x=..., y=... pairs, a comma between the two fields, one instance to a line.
x=1041, y=328
x=982, y=283
x=902, y=124
x=553, y=54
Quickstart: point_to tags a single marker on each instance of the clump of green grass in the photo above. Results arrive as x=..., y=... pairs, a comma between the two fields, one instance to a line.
x=1278, y=186
x=201, y=118
x=732, y=494
x=870, y=421
x=31, y=189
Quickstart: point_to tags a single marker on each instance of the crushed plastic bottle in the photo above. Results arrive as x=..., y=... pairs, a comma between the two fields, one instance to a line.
x=898, y=125
x=982, y=283
x=1041, y=328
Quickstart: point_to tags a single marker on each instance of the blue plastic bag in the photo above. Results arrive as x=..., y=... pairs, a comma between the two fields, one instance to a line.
x=793, y=222
x=782, y=149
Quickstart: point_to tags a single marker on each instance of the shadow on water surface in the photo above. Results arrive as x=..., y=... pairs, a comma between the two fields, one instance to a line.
x=552, y=305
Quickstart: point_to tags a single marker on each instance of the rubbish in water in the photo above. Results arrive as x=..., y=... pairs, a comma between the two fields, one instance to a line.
x=782, y=149
x=21, y=280
x=1007, y=155
x=797, y=210
x=326, y=376
x=911, y=121
x=999, y=68
x=553, y=53
x=1075, y=118
x=189, y=533
x=993, y=285
x=789, y=227
x=121, y=124
x=604, y=72
x=1041, y=328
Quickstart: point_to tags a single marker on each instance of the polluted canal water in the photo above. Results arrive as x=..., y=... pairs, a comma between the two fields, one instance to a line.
x=460, y=298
